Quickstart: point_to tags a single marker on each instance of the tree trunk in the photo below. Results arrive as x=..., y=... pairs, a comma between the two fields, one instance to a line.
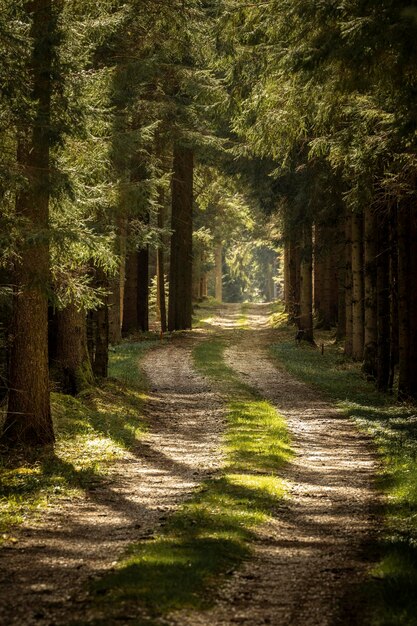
x=348, y=284
x=341, y=283
x=160, y=272
x=101, y=328
x=294, y=280
x=130, y=305
x=393, y=280
x=218, y=260
x=357, y=287
x=412, y=365
x=383, y=304
x=371, y=323
x=72, y=362
x=142, y=301
x=403, y=223
x=181, y=265
x=28, y=420
x=117, y=286
x=306, y=285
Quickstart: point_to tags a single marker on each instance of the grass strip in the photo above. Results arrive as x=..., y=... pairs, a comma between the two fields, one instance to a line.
x=92, y=430
x=392, y=588
x=211, y=533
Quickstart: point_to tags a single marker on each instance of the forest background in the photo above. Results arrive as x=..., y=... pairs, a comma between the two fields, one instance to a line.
x=155, y=149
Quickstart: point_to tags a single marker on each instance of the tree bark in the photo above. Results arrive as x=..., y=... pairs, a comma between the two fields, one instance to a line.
x=218, y=261
x=72, y=363
x=348, y=284
x=372, y=320
x=160, y=272
x=383, y=304
x=28, y=420
x=306, y=285
x=142, y=301
x=181, y=265
x=101, y=330
x=403, y=223
x=357, y=287
x=130, y=305
x=294, y=280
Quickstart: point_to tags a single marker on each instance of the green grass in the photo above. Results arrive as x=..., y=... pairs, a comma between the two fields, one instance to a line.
x=392, y=589
x=92, y=431
x=211, y=533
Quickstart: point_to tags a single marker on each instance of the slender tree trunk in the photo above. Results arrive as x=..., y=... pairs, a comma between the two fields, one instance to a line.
x=72, y=363
x=318, y=274
x=28, y=420
x=130, y=305
x=371, y=322
x=142, y=299
x=294, y=280
x=306, y=284
x=117, y=286
x=412, y=365
x=218, y=261
x=383, y=304
x=286, y=276
x=160, y=272
x=404, y=384
x=357, y=287
x=341, y=283
x=101, y=327
x=393, y=280
x=348, y=284
x=181, y=265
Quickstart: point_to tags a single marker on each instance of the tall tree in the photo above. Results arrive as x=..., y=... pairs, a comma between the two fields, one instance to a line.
x=28, y=419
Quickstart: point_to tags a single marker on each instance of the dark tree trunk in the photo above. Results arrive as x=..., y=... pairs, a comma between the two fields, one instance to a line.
x=348, y=284
x=383, y=304
x=371, y=335
x=306, y=285
x=357, y=287
x=181, y=265
x=160, y=272
x=218, y=259
x=72, y=366
x=101, y=328
x=142, y=302
x=412, y=365
x=403, y=233
x=28, y=420
x=393, y=279
x=130, y=304
x=294, y=280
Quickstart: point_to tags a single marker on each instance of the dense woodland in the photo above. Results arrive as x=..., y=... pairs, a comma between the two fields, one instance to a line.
x=155, y=152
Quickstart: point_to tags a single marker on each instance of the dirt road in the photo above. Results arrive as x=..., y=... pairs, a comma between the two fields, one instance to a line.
x=305, y=561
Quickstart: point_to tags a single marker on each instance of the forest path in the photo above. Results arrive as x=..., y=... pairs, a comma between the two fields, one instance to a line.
x=51, y=567
x=305, y=560
x=310, y=560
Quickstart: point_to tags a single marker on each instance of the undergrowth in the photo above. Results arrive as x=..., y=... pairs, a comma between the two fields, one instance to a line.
x=211, y=533
x=92, y=430
x=392, y=586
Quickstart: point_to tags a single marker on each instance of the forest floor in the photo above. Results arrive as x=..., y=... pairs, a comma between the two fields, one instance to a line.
x=305, y=559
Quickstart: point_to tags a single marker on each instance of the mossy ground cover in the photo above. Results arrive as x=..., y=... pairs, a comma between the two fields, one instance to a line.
x=392, y=588
x=92, y=430
x=211, y=533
